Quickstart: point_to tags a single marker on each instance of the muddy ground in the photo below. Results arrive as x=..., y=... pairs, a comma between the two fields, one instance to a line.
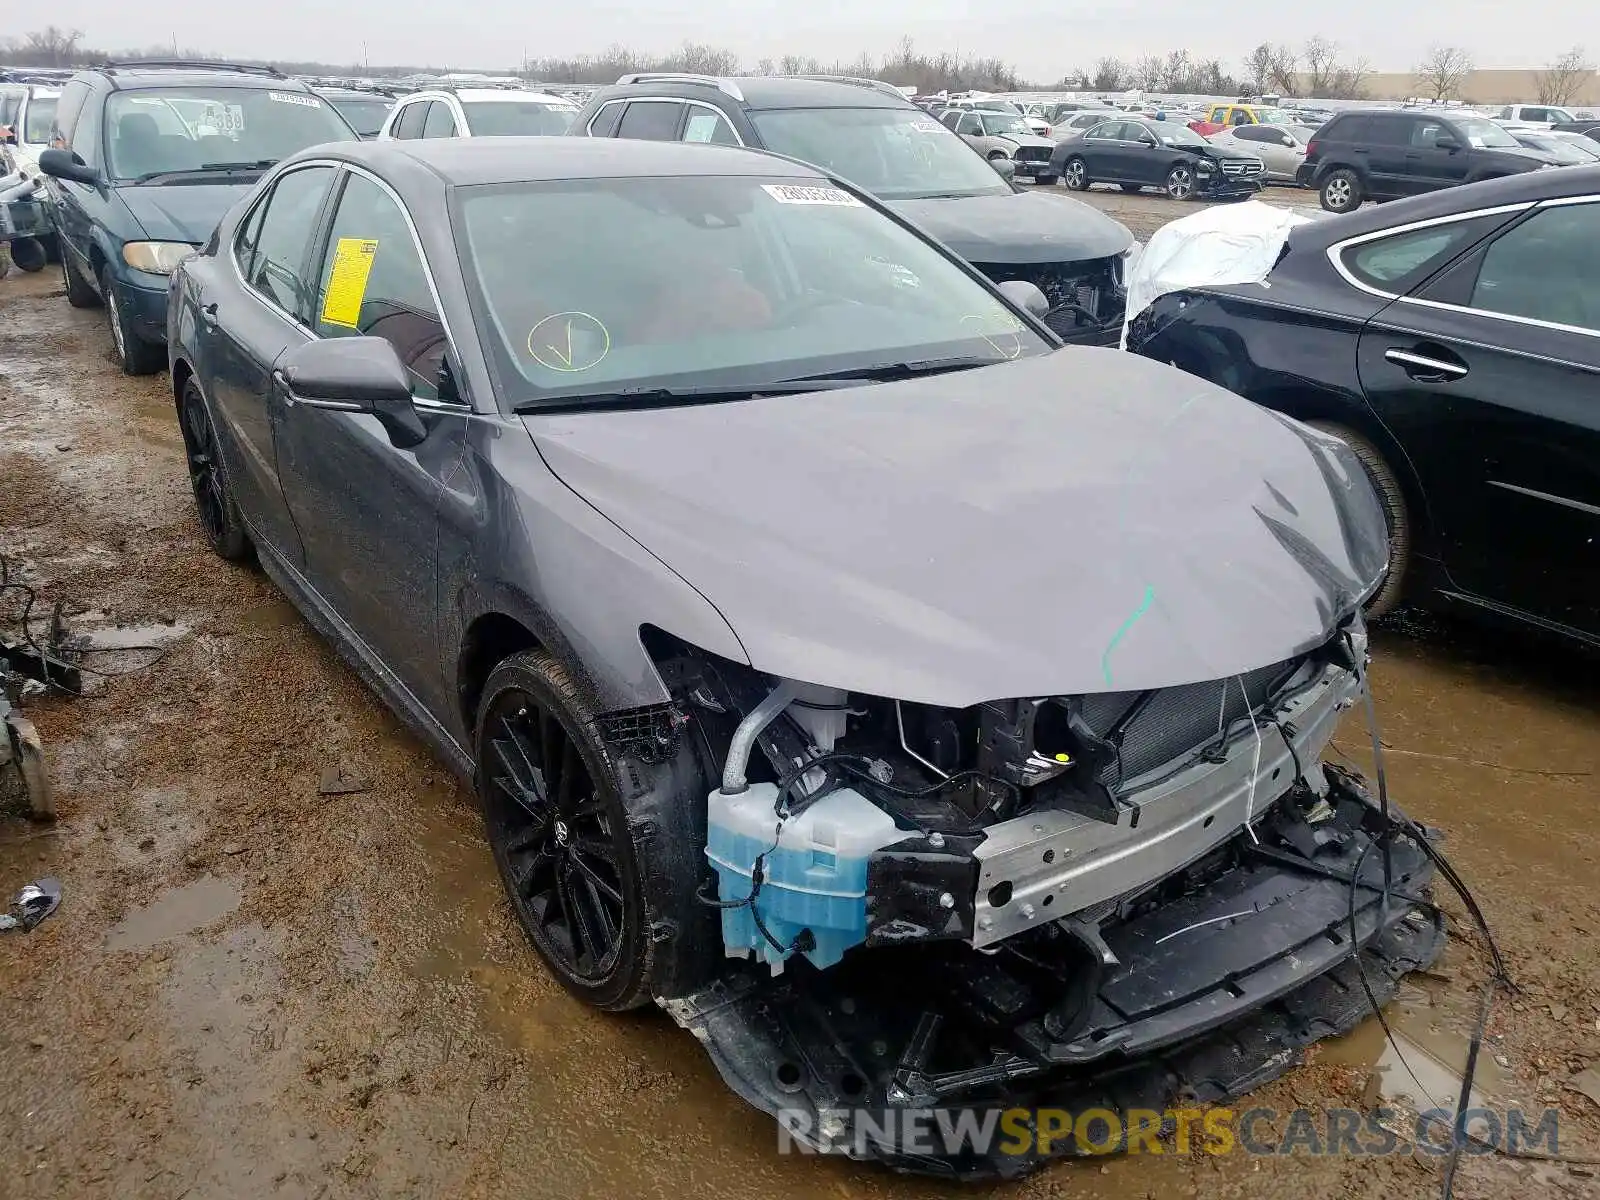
x=254, y=989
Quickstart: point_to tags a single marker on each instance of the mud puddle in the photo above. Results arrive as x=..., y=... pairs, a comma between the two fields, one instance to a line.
x=182, y=910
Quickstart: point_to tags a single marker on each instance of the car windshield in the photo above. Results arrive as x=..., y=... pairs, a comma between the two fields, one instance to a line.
x=1558, y=114
x=596, y=286
x=894, y=153
x=1273, y=116
x=1004, y=125
x=1484, y=134
x=154, y=131
x=1004, y=106
x=1174, y=133
x=365, y=115
x=1300, y=133
x=38, y=119
x=1557, y=149
x=518, y=118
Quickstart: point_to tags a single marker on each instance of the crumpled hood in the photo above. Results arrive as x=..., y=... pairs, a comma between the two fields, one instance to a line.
x=1018, y=227
x=1077, y=522
x=185, y=212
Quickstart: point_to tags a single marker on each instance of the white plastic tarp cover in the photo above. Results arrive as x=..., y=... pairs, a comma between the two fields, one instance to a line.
x=1229, y=243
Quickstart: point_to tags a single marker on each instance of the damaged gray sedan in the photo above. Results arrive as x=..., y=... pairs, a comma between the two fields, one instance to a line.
x=924, y=714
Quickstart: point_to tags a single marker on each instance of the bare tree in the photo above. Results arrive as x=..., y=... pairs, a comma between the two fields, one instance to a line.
x=1322, y=60
x=1258, y=68
x=1110, y=75
x=1283, y=76
x=1564, y=80
x=1441, y=73
x=1148, y=72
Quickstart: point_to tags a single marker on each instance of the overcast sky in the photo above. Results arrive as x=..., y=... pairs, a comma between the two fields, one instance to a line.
x=1043, y=38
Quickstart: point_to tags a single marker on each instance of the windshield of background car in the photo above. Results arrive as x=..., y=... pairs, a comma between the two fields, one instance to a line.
x=1273, y=116
x=1004, y=125
x=600, y=285
x=156, y=130
x=1484, y=134
x=1172, y=133
x=1557, y=149
x=38, y=119
x=894, y=153
x=365, y=116
x=506, y=118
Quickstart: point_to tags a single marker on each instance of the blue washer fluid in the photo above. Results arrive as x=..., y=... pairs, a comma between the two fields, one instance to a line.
x=815, y=870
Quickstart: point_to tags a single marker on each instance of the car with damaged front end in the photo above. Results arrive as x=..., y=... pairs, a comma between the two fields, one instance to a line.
x=923, y=713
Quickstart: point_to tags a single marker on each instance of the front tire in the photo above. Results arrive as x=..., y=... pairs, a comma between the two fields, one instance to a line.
x=213, y=499
x=1075, y=173
x=134, y=356
x=1396, y=516
x=600, y=857
x=1180, y=182
x=1341, y=191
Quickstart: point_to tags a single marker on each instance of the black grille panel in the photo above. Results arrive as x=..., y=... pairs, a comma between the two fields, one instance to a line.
x=1033, y=153
x=1179, y=720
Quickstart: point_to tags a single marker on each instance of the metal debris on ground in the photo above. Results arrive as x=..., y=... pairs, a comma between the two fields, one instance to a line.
x=33, y=903
x=336, y=783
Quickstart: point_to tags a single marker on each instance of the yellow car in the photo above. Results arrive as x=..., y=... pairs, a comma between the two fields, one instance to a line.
x=1224, y=116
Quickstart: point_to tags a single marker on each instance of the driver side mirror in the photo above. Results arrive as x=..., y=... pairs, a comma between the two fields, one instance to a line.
x=1026, y=296
x=66, y=164
x=1005, y=168
x=354, y=374
x=1446, y=142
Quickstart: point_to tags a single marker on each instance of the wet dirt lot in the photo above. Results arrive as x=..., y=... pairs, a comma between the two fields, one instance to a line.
x=253, y=988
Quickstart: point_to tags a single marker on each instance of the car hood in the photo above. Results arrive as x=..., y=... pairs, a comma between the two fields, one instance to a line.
x=1018, y=139
x=1018, y=227
x=182, y=212
x=1528, y=153
x=1220, y=150
x=1081, y=521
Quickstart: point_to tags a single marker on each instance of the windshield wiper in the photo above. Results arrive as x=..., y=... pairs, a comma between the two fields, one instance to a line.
x=661, y=397
x=260, y=164
x=884, y=372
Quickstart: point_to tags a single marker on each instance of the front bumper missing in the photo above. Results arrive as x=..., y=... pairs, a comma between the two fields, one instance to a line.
x=1219, y=987
x=1051, y=864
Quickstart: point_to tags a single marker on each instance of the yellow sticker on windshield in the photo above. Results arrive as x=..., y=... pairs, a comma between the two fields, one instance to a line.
x=347, y=286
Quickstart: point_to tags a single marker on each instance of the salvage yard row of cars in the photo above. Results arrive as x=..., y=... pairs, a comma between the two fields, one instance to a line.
x=566, y=442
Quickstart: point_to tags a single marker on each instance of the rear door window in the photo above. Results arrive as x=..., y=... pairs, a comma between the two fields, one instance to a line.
x=1390, y=131
x=653, y=120
x=703, y=125
x=278, y=266
x=605, y=121
x=440, y=122
x=409, y=123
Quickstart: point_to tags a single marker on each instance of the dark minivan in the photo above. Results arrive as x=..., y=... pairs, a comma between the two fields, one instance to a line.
x=1382, y=155
x=146, y=158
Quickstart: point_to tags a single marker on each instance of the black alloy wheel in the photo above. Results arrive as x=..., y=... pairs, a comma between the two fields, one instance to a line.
x=213, y=502
x=556, y=836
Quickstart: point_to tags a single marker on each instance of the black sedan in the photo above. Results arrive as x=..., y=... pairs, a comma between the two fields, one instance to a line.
x=1140, y=153
x=1453, y=341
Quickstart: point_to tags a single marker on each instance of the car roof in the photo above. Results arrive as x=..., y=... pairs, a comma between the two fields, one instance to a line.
x=764, y=91
x=471, y=161
x=127, y=78
x=490, y=96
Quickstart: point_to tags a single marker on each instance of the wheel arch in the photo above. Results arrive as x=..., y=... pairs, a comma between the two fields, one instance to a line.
x=488, y=640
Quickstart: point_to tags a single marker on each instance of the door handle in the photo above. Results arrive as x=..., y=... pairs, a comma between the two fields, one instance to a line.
x=1425, y=367
x=208, y=315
